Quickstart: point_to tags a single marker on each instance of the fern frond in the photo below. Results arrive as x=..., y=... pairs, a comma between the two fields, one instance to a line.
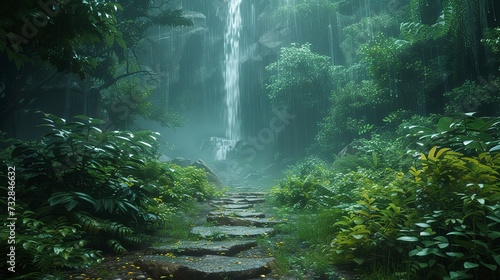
x=88, y=223
x=117, y=229
x=116, y=246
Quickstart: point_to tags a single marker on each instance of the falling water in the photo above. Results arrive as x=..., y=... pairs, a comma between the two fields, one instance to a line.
x=231, y=78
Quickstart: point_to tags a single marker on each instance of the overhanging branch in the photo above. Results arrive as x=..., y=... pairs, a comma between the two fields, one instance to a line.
x=111, y=82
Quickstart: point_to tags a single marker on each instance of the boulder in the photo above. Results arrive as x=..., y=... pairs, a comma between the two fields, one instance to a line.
x=238, y=213
x=230, y=231
x=206, y=267
x=200, y=248
x=212, y=177
x=238, y=221
x=180, y=161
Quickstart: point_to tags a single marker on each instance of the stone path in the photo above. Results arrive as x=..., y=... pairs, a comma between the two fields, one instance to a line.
x=227, y=248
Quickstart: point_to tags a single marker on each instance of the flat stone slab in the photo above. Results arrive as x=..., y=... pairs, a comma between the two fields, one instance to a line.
x=236, y=206
x=233, y=200
x=254, y=199
x=238, y=221
x=242, y=200
x=238, y=213
x=206, y=267
x=230, y=231
x=200, y=248
x=246, y=194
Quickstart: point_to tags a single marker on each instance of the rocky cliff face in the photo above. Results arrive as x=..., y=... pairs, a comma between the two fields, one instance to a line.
x=191, y=60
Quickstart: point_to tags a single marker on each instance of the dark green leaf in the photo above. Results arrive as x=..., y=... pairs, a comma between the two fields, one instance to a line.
x=408, y=239
x=470, y=265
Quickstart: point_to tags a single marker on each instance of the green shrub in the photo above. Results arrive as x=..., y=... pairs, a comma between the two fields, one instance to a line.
x=370, y=224
x=462, y=132
x=305, y=185
x=458, y=196
x=89, y=191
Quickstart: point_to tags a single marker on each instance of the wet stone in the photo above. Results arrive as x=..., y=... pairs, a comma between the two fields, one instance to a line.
x=233, y=200
x=230, y=231
x=200, y=248
x=255, y=200
x=238, y=213
x=247, y=194
x=236, y=206
x=236, y=221
x=206, y=267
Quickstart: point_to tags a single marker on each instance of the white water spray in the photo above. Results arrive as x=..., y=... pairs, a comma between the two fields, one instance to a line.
x=231, y=78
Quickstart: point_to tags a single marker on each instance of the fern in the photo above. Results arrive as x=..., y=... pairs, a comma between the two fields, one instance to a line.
x=88, y=223
x=116, y=246
x=415, y=32
x=116, y=229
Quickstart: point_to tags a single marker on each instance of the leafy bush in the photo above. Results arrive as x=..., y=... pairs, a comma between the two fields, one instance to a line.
x=492, y=40
x=300, y=79
x=81, y=191
x=471, y=96
x=357, y=106
x=458, y=197
x=463, y=132
x=304, y=185
x=438, y=221
x=370, y=224
x=175, y=186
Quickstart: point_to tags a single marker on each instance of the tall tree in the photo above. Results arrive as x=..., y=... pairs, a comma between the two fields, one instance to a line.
x=89, y=45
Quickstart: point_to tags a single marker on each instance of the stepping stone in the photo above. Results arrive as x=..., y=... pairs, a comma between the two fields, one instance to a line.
x=255, y=200
x=236, y=206
x=246, y=194
x=230, y=231
x=206, y=267
x=237, y=221
x=238, y=213
x=233, y=200
x=243, y=200
x=200, y=248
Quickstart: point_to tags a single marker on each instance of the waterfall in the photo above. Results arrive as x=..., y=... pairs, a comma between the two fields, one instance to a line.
x=231, y=79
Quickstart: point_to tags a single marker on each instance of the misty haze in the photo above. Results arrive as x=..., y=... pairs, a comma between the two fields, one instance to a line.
x=250, y=139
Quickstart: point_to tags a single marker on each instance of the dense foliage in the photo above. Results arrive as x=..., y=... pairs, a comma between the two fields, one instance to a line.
x=436, y=216
x=71, y=52
x=83, y=192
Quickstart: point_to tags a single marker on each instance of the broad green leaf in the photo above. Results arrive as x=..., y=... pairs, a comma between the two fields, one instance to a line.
x=58, y=250
x=470, y=265
x=427, y=251
x=495, y=148
x=456, y=233
x=408, y=239
x=455, y=254
x=496, y=257
x=459, y=275
x=60, y=198
x=121, y=42
x=110, y=39
x=70, y=205
x=481, y=243
x=492, y=267
x=423, y=225
x=145, y=144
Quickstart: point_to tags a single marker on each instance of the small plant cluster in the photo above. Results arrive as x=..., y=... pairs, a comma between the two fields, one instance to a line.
x=434, y=216
x=83, y=192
